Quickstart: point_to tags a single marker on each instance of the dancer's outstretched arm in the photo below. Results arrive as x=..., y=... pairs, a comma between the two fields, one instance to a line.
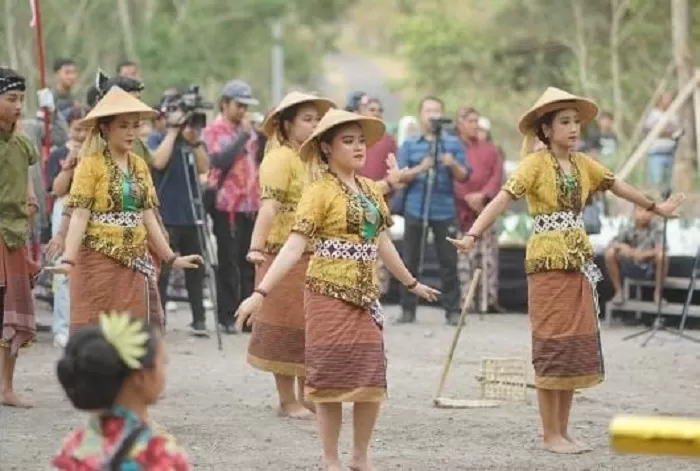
x=391, y=258
x=288, y=256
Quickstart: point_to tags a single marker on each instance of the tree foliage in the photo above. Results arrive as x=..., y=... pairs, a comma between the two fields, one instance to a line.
x=500, y=55
x=176, y=42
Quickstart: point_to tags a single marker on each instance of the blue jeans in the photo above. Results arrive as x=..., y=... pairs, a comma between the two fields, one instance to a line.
x=61, y=286
x=660, y=169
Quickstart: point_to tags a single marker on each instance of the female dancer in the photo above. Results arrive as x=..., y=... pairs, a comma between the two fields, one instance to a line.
x=562, y=299
x=277, y=343
x=62, y=163
x=102, y=85
x=117, y=367
x=345, y=218
x=114, y=204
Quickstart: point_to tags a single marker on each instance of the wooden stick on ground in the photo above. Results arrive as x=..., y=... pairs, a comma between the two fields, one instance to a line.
x=458, y=331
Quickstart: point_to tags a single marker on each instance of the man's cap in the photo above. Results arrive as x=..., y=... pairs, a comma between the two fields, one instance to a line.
x=239, y=91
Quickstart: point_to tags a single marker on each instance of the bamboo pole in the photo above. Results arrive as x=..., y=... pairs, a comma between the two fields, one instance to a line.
x=655, y=132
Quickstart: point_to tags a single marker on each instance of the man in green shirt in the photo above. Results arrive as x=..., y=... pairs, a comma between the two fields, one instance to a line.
x=17, y=205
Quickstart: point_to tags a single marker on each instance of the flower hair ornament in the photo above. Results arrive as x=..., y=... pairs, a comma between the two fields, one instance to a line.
x=126, y=335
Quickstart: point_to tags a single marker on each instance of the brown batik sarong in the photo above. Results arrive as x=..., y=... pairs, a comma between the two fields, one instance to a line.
x=17, y=316
x=100, y=283
x=277, y=342
x=566, y=348
x=345, y=359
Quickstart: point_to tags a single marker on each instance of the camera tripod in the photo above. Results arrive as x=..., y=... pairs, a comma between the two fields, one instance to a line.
x=436, y=125
x=204, y=236
x=659, y=323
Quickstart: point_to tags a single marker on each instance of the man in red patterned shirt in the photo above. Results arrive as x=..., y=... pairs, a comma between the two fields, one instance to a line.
x=234, y=194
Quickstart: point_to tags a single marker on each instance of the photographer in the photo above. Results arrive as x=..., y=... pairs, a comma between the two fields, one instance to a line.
x=233, y=195
x=179, y=158
x=416, y=155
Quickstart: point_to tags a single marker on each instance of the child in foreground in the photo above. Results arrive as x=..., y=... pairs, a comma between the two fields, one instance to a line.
x=118, y=368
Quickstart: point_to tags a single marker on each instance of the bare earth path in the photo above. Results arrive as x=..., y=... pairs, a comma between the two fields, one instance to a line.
x=223, y=411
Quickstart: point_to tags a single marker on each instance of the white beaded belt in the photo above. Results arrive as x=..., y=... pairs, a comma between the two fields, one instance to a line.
x=558, y=221
x=344, y=250
x=118, y=218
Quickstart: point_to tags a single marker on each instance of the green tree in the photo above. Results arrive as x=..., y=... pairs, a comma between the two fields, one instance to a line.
x=177, y=42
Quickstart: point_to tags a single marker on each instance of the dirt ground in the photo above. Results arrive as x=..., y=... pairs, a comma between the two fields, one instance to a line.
x=223, y=411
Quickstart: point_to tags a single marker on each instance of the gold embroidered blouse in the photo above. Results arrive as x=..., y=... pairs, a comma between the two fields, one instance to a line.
x=540, y=179
x=329, y=213
x=282, y=177
x=100, y=186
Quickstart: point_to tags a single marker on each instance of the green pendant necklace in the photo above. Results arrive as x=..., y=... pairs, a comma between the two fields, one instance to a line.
x=568, y=183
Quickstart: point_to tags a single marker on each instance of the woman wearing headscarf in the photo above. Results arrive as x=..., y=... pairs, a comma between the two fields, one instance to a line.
x=345, y=218
x=562, y=277
x=277, y=341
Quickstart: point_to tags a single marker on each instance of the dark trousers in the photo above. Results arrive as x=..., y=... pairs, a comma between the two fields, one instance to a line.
x=447, y=257
x=235, y=276
x=185, y=241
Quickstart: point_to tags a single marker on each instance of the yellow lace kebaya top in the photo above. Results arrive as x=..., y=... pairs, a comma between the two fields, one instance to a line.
x=116, y=201
x=282, y=177
x=540, y=179
x=343, y=264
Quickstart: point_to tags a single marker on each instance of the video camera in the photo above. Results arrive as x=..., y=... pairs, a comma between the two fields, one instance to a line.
x=191, y=103
x=437, y=125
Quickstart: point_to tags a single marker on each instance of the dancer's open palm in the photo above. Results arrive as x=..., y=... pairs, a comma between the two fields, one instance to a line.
x=188, y=261
x=60, y=269
x=247, y=309
x=463, y=245
x=426, y=292
x=669, y=207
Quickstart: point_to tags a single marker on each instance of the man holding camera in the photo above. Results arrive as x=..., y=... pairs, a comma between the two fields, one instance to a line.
x=233, y=196
x=179, y=158
x=417, y=156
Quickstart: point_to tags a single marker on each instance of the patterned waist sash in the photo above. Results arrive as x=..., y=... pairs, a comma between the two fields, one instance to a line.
x=561, y=221
x=128, y=219
x=557, y=221
x=118, y=218
x=344, y=250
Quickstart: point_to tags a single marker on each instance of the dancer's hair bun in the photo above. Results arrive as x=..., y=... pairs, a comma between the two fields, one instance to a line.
x=91, y=371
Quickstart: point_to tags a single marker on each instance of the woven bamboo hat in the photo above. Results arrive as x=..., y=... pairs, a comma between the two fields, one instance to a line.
x=115, y=102
x=292, y=99
x=372, y=128
x=556, y=99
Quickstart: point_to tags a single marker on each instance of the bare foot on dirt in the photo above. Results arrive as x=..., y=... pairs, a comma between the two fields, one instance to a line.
x=560, y=446
x=360, y=465
x=10, y=399
x=311, y=406
x=360, y=468
x=582, y=447
x=295, y=411
x=334, y=466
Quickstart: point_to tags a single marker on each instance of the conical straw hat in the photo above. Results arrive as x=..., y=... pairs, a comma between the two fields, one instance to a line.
x=556, y=99
x=117, y=102
x=295, y=98
x=372, y=128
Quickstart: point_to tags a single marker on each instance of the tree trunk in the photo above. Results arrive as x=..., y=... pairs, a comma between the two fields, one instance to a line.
x=619, y=7
x=10, y=42
x=684, y=168
x=127, y=31
x=581, y=48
